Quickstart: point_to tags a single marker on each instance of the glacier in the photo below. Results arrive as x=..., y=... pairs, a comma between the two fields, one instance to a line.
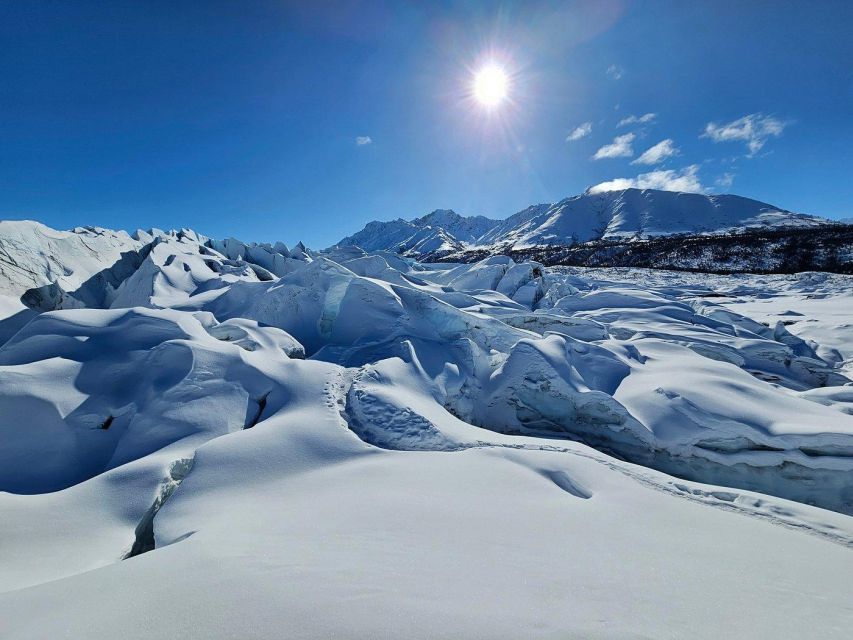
x=214, y=438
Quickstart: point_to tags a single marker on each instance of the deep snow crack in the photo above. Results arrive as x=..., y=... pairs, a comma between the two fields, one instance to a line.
x=144, y=534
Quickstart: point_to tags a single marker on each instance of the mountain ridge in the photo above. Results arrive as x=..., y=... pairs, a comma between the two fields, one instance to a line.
x=612, y=215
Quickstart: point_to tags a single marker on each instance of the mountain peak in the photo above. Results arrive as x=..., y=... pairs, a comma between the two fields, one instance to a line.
x=619, y=214
x=439, y=217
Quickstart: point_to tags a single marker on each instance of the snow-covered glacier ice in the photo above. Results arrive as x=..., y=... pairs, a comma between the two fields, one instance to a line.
x=214, y=438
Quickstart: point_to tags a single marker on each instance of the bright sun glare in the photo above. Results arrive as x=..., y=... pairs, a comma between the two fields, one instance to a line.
x=490, y=85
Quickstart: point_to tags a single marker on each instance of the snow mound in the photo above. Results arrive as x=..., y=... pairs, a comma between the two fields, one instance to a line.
x=407, y=443
x=51, y=269
x=85, y=391
x=560, y=386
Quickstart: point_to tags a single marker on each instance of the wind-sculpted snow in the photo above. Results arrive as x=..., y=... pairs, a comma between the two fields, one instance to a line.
x=233, y=436
x=560, y=386
x=50, y=269
x=82, y=392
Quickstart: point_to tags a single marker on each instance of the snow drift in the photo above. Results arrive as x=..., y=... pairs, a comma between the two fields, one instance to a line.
x=350, y=443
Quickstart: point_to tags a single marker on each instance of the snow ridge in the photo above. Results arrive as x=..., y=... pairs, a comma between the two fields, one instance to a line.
x=409, y=442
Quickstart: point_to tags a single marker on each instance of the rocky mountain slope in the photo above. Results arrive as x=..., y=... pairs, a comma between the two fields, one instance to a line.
x=441, y=230
x=626, y=216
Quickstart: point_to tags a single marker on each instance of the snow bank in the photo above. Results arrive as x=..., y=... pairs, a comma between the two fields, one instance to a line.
x=403, y=445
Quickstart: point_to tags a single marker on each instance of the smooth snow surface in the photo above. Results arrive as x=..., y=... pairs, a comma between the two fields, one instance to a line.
x=215, y=439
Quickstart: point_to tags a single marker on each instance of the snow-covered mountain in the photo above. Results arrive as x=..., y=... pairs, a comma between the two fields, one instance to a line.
x=441, y=230
x=212, y=438
x=629, y=213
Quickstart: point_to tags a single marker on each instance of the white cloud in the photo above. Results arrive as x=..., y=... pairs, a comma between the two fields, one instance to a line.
x=363, y=140
x=643, y=119
x=581, y=131
x=658, y=153
x=619, y=148
x=725, y=181
x=669, y=180
x=753, y=129
x=615, y=71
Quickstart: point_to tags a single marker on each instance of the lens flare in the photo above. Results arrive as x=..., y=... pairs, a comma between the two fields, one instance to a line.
x=490, y=85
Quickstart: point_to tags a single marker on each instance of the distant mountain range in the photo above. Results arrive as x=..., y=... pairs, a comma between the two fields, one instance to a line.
x=613, y=216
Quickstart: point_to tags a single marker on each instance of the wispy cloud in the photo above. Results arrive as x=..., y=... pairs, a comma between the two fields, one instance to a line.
x=615, y=71
x=658, y=153
x=581, y=131
x=725, y=181
x=363, y=140
x=643, y=119
x=619, y=148
x=753, y=129
x=686, y=179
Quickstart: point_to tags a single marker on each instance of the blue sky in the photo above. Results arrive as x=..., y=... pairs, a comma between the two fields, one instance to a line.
x=245, y=118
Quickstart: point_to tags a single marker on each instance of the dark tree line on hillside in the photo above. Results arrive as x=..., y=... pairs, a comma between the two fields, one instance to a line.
x=790, y=250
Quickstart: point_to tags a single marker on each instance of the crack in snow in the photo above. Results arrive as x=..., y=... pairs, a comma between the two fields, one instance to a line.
x=144, y=534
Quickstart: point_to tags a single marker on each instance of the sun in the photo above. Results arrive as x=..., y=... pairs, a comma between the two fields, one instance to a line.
x=490, y=85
